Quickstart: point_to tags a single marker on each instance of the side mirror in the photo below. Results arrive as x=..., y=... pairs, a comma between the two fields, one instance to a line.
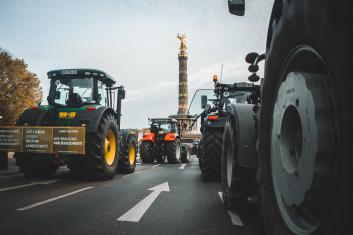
x=203, y=101
x=121, y=94
x=251, y=57
x=57, y=95
x=99, y=98
x=236, y=7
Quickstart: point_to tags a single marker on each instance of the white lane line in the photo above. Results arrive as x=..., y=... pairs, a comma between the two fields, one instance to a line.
x=137, y=172
x=182, y=167
x=9, y=176
x=235, y=219
x=52, y=199
x=136, y=213
x=28, y=185
x=155, y=165
x=233, y=216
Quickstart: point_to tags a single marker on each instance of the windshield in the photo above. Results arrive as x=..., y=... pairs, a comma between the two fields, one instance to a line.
x=72, y=92
x=164, y=126
x=195, y=105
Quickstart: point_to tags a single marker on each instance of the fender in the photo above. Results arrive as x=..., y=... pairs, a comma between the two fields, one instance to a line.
x=32, y=117
x=149, y=137
x=170, y=137
x=92, y=118
x=276, y=14
x=246, y=132
x=40, y=117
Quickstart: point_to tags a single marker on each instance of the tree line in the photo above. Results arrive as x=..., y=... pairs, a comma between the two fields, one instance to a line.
x=19, y=87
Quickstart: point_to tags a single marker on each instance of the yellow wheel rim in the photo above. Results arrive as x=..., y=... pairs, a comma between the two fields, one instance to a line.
x=132, y=154
x=110, y=147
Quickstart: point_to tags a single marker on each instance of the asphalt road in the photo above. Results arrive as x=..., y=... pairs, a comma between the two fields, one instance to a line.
x=67, y=204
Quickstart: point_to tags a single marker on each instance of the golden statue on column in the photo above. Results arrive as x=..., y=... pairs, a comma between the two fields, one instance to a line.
x=182, y=38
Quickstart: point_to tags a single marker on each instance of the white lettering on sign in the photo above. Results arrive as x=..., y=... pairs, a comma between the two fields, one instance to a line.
x=67, y=143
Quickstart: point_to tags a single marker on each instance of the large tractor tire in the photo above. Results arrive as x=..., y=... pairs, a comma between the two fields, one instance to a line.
x=212, y=154
x=36, y=165
x=305, y=129
x=237, y=182
x=128, y=153
x=173, y=151
x=185, y=155
x=147, y=152
x=102, y=149
x=159, y=153
x=200, y=152
x=4, y=161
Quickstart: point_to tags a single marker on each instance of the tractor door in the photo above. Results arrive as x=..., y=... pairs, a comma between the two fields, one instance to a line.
x=103, y=97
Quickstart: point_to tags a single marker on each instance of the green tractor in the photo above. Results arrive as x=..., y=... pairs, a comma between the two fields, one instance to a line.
x=79, y=127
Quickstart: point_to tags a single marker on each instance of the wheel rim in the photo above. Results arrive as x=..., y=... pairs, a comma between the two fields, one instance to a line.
x=132, y=154
x=177, y=150
x=110, y=147
x=303, y=144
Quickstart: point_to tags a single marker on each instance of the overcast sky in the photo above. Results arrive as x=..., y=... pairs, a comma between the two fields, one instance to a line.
x=135, y=42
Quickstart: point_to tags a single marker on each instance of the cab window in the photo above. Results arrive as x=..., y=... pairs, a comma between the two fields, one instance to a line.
x=102, y=94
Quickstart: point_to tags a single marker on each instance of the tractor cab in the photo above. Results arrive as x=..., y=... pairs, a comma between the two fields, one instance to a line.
x=208, y=106
x=163, y=127
x=76, y=88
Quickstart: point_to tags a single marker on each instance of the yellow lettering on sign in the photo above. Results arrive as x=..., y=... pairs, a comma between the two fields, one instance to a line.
x=67, y=114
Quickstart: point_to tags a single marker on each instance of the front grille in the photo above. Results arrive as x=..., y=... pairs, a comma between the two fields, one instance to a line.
x=160, y=137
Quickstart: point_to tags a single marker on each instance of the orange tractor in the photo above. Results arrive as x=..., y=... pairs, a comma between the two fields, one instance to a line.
x=163, y=141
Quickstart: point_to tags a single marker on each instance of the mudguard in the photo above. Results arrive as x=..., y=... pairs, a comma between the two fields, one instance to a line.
x=246, y=133
x=170, y=137
x=31, y=117
x=91, y=118
x=149, y=137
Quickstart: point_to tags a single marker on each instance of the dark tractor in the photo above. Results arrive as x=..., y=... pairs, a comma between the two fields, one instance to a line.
x=302, y=142
x=213, y=120
x=162, y=141
x=78, y=98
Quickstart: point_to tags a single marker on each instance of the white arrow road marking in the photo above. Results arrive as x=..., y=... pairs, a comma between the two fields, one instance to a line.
x=28, y=185
x=155, y=165
x=182, y=167
x=137, y=172
x=136, y=213
x=233, y=216
x=52, y=199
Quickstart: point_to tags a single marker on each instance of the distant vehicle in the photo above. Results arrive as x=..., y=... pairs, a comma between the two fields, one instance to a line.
x=303, y=122
x=79, y=127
